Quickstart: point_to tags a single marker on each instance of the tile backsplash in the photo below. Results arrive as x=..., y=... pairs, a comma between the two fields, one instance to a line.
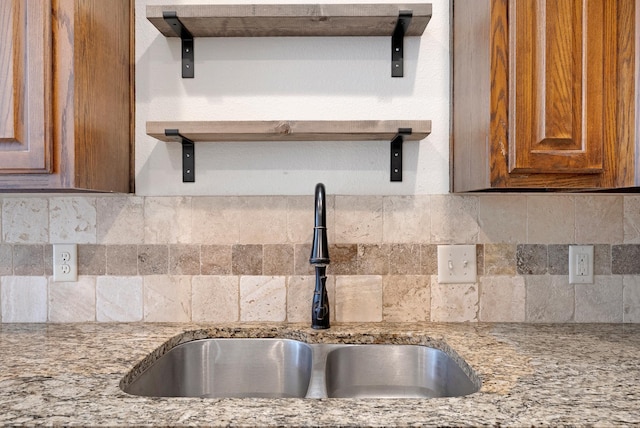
x=245, y=258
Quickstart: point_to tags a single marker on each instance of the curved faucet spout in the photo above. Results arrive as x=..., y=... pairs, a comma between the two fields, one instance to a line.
x=320, y=214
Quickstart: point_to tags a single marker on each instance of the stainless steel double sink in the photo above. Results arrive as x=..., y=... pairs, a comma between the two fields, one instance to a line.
x=284, y=368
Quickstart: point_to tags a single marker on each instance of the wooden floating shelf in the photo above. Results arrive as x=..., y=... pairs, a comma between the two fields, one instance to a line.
x=188, y=133
x=279, y=20
x=288, y=20
x=290, y=130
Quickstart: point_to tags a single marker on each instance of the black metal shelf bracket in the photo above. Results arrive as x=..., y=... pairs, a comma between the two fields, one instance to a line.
x=187, y=42
x=188, y=155
x=396, y=153
x=397, y=43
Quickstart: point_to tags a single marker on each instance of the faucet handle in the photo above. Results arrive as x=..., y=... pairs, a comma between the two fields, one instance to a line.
x=321, y=311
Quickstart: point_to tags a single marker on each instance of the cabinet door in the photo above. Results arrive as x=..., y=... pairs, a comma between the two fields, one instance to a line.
x=545, y=94
x=25, y=87
x=557, y=102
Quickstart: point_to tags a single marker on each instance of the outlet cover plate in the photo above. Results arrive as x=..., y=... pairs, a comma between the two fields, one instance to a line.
x=580, y=264
x=65, y=262
x=457, y=264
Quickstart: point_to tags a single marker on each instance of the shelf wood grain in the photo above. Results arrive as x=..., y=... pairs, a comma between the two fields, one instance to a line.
x=278, y=20
x=290, y=130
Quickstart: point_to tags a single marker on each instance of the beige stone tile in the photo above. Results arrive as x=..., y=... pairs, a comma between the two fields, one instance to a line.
x=153, y=259
x=246, y=259
x=23, y=299
x=92, y=259
x=599, y=219
x=167, y=220
x=373, y=259
x=602, y=262
x=120, y=220
x=453, y=302
x=25, y=220
x=406, y=219
x=358, y=219
x=299, y=297
x=300, y=290
x=72, y=220
x=73, y=301
x=122, y=260
x=118, y=298
x=215, y=259
x=167, y=298
x=550, y=298
x=502, y=218
x=184, y=259
x=28, y=260
x=624, y=259
x=428, y=259
x=601, y=301
x=300, y=218
x=301, y=254
x=480, y=259
x=6, y=259
x=48, y=259
x=631, y=299
x=550, y=219
x=499, y=259
x=215, y=298
x=263, y=298
x=216, y=220
x=454, y=219
x=631, y=219
x=277, y=259
x=263, y=219
x=404, y=259
x=344, y=259
x=532, y=259
x=502, y=299
x=406, y=298
x=359, y=298
x=558, y=259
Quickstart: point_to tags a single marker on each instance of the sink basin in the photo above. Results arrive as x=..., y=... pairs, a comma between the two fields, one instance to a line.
x=284, y=368
x=394, y=371
x=269, y=368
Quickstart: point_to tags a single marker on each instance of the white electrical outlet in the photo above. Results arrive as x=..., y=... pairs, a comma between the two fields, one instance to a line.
x=457, y=264
x=580, y=264
x=65, y=262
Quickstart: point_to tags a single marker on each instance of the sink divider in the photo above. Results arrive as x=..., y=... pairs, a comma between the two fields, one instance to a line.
x=317, y=383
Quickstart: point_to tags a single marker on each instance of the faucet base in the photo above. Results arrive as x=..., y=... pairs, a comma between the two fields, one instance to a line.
x=320, y=305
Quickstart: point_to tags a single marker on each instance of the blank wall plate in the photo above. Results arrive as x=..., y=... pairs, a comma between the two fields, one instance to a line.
x=580, y=264
x=65, y=262
x=457, y=264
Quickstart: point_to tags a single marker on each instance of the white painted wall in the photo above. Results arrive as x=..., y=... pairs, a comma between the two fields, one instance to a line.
x=344, y=78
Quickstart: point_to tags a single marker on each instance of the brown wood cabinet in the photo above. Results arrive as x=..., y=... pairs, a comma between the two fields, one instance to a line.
x=544, y=94
x=66, y=95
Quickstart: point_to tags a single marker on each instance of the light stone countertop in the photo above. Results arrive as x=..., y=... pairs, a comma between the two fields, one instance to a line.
x=69, y=374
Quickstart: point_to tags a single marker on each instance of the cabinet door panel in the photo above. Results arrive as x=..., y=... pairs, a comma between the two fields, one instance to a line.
x=25, y=86
x=556, y=86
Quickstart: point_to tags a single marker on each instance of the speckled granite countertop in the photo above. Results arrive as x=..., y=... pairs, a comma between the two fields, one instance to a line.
x=58, y=374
